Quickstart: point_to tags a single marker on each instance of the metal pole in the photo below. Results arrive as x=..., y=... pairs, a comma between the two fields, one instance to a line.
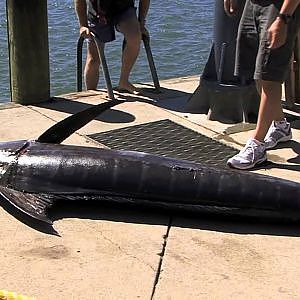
x=221, y=64
x=28, y=51
x=79, y=63
x=146, y=40
x=100, y=47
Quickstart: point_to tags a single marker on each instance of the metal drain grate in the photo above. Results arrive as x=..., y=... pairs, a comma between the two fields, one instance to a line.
x=168, y=139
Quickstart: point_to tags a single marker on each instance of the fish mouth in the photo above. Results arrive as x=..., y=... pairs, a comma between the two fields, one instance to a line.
x=6, y=159
x=9, y=153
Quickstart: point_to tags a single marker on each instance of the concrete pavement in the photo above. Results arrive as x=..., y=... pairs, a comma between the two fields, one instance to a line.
x=142, y=255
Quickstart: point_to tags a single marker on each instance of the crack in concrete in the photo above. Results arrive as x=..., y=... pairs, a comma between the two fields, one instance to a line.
x=162, y=254
x=125, y=252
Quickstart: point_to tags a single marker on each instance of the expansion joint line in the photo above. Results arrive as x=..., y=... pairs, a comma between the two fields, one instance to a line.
x=162, y=254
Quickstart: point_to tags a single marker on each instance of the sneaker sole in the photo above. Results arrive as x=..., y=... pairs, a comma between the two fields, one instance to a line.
x=283, y=139
x=260, y=161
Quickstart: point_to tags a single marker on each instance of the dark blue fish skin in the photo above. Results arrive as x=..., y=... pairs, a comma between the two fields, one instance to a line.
x=36, y=174
x=35, y=168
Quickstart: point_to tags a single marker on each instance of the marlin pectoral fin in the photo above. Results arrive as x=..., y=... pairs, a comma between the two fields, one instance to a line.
x=63, y=129
x=32, y=205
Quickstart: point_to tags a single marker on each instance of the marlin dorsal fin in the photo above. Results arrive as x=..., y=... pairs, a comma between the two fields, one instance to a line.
x=63, y=129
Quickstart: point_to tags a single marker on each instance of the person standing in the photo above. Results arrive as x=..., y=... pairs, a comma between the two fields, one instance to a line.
x=265, y=44
x=102, y=17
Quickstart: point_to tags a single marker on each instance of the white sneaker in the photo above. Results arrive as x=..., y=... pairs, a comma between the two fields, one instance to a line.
x=279, y=131
x=252, y=154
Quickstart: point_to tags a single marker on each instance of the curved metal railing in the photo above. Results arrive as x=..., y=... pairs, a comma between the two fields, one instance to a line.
x=146, y=41
x=79, y=63
x=100, y=48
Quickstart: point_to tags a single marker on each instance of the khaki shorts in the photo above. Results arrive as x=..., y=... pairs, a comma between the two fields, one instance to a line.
x=254, y=60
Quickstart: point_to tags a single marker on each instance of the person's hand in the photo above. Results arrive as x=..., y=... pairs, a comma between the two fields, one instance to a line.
x=277, y=34
x=230, y=7
x=84, y=31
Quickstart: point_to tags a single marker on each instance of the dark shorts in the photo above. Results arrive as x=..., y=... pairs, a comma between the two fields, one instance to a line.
x=254, y=60
x=106, y=32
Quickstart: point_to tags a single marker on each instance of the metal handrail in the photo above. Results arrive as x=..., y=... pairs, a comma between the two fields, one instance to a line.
x=100, y=48
x=146, y=41
x=79, y=63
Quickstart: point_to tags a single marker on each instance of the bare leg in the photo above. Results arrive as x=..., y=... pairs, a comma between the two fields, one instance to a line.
x=91, y=71
x=270, y=107
x=132, y=34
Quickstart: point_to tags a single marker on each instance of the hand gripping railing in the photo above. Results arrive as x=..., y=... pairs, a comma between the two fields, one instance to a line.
x=100, y=48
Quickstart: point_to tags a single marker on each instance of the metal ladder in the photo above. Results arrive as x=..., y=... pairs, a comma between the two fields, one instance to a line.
x=100, y=48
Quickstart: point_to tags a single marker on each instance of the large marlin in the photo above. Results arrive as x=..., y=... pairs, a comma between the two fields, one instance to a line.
x=36, y=174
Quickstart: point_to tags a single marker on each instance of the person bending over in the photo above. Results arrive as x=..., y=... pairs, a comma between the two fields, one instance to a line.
x=102, y=17
x=265, y=43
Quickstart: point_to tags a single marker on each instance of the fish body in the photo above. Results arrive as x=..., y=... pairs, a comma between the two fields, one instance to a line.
x=36, y=174
x=32, y=168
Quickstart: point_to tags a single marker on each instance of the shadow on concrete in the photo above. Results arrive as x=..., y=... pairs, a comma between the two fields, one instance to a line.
x=268, y=165
x=136, y=214
x=163, y=93
x=273, y=165
x=170, y=99
x=73, y=107
x=132, y=213
x=174, y=100
x=293, y=119
x=295, y=108
x=293, y=145
x=240, y=226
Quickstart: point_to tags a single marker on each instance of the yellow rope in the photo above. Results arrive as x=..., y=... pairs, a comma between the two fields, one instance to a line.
x=5, y=295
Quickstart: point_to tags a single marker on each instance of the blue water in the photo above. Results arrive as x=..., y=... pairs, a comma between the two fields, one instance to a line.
x=181, y=35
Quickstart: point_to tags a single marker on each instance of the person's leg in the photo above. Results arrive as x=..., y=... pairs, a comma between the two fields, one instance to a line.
x=270, y=108
x=246, y=52
x=247, y=45
x=91, y=70
x=270, y=71
x=130, y=28
x=272, y=127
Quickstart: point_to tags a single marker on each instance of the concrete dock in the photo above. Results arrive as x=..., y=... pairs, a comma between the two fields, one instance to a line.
x=130, y=254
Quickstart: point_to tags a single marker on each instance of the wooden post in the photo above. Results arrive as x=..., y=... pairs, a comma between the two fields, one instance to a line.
x=28, y=51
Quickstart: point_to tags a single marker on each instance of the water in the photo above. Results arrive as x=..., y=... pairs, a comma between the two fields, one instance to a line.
x=181, y=35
